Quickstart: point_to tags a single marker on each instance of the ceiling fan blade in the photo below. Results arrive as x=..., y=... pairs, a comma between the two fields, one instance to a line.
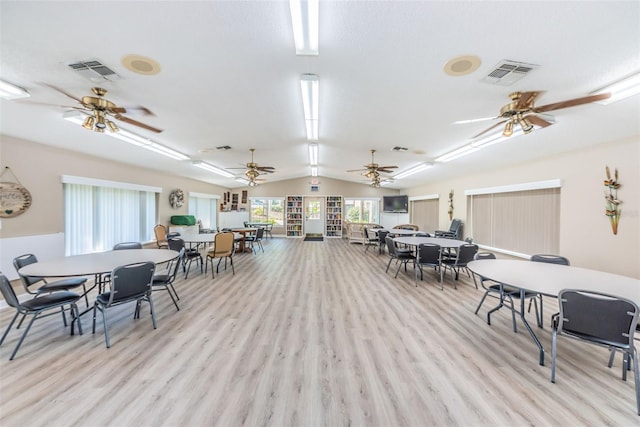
x=571, y=102
x=137, y=110
x=136, y=123
x=490, y=128
x=357, y=170
x=57, y=89
x=538, y=121
x=526, y=100
x=387, y=167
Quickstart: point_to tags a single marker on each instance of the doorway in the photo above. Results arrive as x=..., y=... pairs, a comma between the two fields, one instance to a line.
x=314, y=216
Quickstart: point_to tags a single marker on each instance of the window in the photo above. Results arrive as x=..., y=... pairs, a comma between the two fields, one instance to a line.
x=98, y=214
x=268, y=211
x=362, y=210
x=520, y=222
x=205, y=208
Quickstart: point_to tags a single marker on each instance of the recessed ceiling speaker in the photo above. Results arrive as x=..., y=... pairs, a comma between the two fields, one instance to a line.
x=462, y=65
x=141, y=65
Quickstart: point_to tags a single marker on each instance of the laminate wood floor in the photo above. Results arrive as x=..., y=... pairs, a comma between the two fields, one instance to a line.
x=308, y=334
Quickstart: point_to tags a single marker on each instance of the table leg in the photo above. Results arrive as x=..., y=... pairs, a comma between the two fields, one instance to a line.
x=526, y=325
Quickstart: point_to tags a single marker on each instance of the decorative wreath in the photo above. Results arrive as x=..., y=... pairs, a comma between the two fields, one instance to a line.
x=176, y=198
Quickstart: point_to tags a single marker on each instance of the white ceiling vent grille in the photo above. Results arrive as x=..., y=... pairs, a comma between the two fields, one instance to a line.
x=94, y=70
x=508, y=72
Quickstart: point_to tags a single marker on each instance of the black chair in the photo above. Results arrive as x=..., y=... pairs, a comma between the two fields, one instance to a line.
x=368, y=239
x=46, y=287
x=165, y=280
x=423, y=234
x=550, y=259
x=506, y=294
x=464, y=255
x=454, y=231
x=256, y=239
x=177, y=244
x=268, y=230
x=600, y=319
x=400, y=256
x=36, y=306
x=127, y=245
x=382, y=240
x=131, y=282
x=427, y=255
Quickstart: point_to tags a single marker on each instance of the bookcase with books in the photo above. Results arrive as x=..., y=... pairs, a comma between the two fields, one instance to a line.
x=294, y=216
x=333, y=219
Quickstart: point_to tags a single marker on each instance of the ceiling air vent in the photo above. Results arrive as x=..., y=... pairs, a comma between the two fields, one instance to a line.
x=223, y=147
x=399, y=148
x=94, y=70
x=508, y=72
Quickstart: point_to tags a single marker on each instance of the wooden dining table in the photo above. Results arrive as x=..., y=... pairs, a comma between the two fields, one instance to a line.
x=242, y=247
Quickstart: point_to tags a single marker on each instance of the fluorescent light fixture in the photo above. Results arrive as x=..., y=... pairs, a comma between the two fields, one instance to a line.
x=129, y=137
x=462, y=151
x=9, y=91
x=304, y=17
x=310, y=91
x=242, y=180
x=314, y=171
x=211, y=168
x=313, y=154
x=415, y=169
x=621, y=89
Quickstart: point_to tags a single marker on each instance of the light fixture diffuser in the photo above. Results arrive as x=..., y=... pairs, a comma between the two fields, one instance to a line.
x=621, y=89
x=304, y=18
x=77, y=117
x=208, y=167
x=418, y=168
x=313, y=154
x=10, y=91
x=314, y=171
x=309, y=85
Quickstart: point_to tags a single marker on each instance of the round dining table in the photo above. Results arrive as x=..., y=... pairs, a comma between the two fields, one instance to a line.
x=417, y=240
x=549, y=279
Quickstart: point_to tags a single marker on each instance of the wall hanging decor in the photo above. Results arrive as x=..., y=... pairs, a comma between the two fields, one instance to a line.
x=450, y=211
x=612, y=209
x=176, y=198
x=14, y=198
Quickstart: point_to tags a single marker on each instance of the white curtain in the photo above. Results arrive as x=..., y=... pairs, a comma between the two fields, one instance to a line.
x=204, y=209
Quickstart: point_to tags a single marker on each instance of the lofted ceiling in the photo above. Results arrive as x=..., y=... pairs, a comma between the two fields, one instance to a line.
x=229, y=76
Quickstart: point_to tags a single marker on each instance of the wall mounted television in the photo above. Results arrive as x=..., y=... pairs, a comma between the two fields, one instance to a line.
x=395, y=204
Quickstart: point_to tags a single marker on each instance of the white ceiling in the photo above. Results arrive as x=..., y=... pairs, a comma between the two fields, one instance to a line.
x=230, y=76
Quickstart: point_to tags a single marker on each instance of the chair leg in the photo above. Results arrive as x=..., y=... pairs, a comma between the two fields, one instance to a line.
x=64, y=317
x=171, y=295
x=388, y=264
x=636, y=374
x=481, y=302
x=611, y=357
x=6, y=332
x=232, y=268
x=153, y=313
x=554, y=340
x=174, y=291
x=24, y=334
x=106, y=329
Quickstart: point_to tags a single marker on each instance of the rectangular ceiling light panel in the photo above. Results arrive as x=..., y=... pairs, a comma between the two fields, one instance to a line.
x=310, y=87
x=304, y=18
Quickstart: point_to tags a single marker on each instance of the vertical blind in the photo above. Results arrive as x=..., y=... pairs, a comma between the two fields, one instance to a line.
x=425, y=214
x=96, y=217
x=526, y=222
x=205, y=210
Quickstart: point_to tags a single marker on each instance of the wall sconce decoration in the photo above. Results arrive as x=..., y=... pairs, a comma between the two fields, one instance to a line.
x=450, y=211
x=611, y=196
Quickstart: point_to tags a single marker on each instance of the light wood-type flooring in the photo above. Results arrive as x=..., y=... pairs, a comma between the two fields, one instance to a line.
x=308, y=334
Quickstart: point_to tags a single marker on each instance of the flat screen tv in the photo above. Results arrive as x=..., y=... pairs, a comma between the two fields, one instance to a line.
x=395, y=204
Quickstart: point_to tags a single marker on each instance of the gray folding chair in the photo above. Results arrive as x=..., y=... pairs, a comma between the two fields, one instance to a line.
x=427, y=255
x=601, y=319
x=464, y=255
x=401, y=257
x=549, y=259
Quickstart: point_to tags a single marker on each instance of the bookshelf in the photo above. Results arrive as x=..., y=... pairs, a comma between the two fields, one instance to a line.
x=294, y=216
x=333, y=227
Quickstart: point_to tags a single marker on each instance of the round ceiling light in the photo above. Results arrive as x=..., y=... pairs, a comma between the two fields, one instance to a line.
x=141, y=64
x=462, y=65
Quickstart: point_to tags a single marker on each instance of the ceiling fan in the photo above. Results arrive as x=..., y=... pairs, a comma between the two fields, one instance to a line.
x=372, y=171
x=99, y=110
x=521, y=111
x=253, y=170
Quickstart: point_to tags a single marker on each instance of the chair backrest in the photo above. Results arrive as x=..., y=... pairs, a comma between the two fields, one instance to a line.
x=604, y=319
x=391, y=246
x=259, y=233
x=455, y=225
x=172, y=235
x=175, y=244
x=484, y=255
x=7, y=292
x=22, y=261
x=423, y=234
x=127, y=245
x=382, y=236
x=161, y=233
x=428, y=253
x=466, y=253
x=366, y=233
x=131, y=281
x=178, y=263
x=224, y=243
x=551, y=259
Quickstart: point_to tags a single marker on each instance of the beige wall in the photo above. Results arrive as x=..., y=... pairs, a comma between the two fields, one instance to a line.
x=326, y=187
x=39, y=168
x=585, y=236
